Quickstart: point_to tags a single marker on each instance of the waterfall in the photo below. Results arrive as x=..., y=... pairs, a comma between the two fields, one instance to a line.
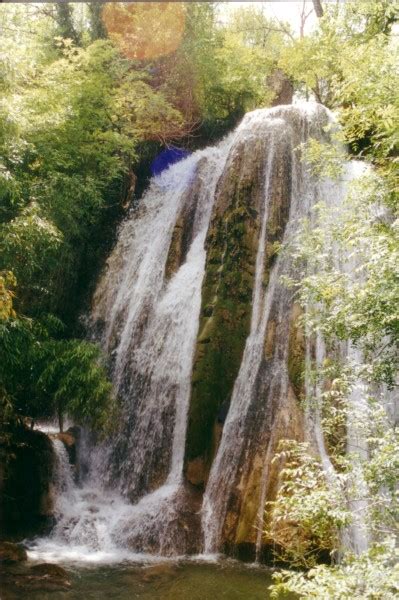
x=64, y=483
x=159, y=485
x=151, y=320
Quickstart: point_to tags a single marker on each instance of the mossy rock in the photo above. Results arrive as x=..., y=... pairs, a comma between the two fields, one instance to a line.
x=232, y=248
x=226, y=302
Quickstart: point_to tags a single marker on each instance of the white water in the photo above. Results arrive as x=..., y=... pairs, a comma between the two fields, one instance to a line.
x=355, y=537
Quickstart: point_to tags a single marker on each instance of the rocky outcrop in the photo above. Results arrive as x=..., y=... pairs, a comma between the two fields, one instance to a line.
x=232, y=247
x=282, y=87
x=26, y=501
x=265, y=400
x=12, y=553
x=194, y=300
x=41, y=578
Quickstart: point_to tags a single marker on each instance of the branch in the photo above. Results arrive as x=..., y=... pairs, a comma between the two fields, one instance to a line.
x=267, y=28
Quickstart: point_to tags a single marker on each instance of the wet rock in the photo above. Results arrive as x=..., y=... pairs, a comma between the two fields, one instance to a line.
x=156, y=572
x=44, y=577
x=226, y=298
x=184, y=229
x=296, y=352
x=171, y=527
x=50, y=570
x=196, y=472
x=12, y=553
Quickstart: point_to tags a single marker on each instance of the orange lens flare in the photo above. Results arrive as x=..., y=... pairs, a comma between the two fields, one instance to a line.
x=145, y=30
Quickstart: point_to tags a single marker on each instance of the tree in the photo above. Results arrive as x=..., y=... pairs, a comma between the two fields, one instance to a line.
x=318, y=8
x=43, y=375
x=97, y=27
x=64, y=19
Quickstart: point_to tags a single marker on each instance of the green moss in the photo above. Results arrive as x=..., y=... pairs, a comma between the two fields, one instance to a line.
x=232, y=245
x=225, y=316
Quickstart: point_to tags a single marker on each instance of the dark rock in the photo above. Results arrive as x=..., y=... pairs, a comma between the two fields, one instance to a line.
x=50, y=570
x=12, y=553
x=44, y=577
x=26, y=476
x=171, y=533
x=282, y=88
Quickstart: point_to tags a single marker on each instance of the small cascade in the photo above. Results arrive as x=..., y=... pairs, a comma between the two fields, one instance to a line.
x=204, y=350
x=89, y=520
x=64, y=483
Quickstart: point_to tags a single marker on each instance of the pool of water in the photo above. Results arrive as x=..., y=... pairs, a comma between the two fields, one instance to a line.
x=191, y=580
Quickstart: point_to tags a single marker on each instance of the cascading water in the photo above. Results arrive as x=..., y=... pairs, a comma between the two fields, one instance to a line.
x=262, y=392
x=151, y=321
x=166, y=284
x=355, y=536
x=63, y=475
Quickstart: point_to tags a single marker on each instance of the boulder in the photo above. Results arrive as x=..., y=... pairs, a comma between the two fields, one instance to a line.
x=12, y=553
x=45, y=577
x=50, y=570
x=26, y=502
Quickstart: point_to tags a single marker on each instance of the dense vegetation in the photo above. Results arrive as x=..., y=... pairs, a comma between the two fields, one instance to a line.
x=81, y=114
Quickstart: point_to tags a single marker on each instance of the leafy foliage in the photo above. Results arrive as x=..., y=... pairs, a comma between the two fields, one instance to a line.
x=347, y=280
x=372, y=576
x=83, y=95
x=79, y=111
x=42, y=375
x=307, y=515
x=349, y=63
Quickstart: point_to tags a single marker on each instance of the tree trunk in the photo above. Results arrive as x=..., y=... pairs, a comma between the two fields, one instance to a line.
x=64, y=18
x=61, y=422
x=318, y=8
x=97, y=27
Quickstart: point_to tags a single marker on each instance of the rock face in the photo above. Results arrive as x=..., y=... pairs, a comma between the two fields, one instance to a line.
x=226, y=299
x=26, y=483
x=282, y=88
